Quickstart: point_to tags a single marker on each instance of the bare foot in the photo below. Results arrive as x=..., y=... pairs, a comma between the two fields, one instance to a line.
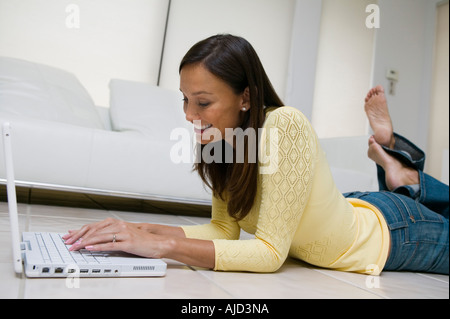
x=378, y=114
x=396, y=173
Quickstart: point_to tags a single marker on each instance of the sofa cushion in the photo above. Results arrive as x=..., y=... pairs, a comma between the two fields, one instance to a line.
x=38, y=91
x=351, y=168
x=150, y=110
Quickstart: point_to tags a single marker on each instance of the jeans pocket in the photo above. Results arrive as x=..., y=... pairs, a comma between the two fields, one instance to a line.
x=397, y=225
x=401, y=248
x=425, y=214
x=419, y=236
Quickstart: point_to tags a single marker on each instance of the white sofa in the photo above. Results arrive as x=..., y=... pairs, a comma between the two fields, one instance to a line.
x=62, y=141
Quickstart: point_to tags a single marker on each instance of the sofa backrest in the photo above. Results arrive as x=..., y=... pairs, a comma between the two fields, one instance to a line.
x=34, y=90
x=150, y=110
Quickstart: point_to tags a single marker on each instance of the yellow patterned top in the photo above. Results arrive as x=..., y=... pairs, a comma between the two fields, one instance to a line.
x=298, y=210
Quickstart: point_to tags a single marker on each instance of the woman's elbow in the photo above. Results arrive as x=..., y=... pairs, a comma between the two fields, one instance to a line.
x=271, y=265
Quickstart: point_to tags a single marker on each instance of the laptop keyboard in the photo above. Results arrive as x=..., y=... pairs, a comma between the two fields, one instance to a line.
x=54, y=250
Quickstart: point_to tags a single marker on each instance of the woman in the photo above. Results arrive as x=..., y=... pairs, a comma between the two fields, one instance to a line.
x=293, y=208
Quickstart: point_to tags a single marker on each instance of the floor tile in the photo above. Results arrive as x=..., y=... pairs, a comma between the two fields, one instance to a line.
x=179, y=282
x=396, y=285
x=149, y=218
x=294, y=280
x=10, y=285
x=68, y=212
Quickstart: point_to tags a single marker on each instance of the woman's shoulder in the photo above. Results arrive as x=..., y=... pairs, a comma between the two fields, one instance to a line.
x=283, y=116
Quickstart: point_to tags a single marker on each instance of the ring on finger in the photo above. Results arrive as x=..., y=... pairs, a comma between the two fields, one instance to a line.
x=114, y=238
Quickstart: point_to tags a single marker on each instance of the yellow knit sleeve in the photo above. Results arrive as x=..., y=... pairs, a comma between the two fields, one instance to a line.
x=222, y=226
x=285, y=185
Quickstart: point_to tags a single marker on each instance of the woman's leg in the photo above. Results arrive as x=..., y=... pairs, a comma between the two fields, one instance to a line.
x=405, y=180
x=392, y=172
x=419, y=236
x=377, y=112
x=415, y=205
x=399, y=162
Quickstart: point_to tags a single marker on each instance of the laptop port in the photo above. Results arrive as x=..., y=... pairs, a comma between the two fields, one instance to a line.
x=107, y=271
x=59, y=270
x=84, y=271
x=95, y=271
x=45, y=270
x=71, y=271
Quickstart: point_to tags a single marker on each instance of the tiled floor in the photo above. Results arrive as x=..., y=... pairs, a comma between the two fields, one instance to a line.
x=294, y=280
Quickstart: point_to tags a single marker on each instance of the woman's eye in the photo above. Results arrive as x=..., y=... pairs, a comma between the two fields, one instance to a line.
x=201, y=104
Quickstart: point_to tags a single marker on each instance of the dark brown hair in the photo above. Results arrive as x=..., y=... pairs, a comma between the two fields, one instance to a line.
x=233, y=60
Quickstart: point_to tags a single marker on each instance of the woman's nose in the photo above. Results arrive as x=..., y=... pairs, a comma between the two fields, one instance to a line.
x=191, y=113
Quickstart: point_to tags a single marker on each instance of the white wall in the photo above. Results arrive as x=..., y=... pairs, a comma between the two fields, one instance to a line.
x=344, y=64
x=405, y=41
x=438, y=139
x=114, y=38
x=266, y=24
x=123, y=39
x=301, y=74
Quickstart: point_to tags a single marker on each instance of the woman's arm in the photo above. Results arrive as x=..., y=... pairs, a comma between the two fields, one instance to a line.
x=285, y=189
x=192, y=245
x=194, y=252
x=146, y=240
x=173, y=231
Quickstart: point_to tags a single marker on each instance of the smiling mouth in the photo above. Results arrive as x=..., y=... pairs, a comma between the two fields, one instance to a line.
x=202, y=129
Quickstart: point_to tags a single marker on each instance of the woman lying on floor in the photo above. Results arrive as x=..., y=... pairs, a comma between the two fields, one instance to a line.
x=287, y=199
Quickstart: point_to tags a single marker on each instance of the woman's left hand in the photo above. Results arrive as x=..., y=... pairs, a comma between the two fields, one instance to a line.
x=113, y=235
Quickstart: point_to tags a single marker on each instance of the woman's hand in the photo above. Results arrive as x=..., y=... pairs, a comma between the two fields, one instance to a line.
x=112, y=234
x=146, y=240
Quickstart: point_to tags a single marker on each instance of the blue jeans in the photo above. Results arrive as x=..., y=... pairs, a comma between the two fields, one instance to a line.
x=417, y=216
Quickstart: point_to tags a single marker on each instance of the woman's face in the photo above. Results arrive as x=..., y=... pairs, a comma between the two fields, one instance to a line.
x=210, y=103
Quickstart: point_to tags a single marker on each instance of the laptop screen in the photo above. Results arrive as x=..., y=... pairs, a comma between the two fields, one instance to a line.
x=12, y=200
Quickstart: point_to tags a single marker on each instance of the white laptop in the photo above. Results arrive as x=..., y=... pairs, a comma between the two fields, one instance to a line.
x=44, y=254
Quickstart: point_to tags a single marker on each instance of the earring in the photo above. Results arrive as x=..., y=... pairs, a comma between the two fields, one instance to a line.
x=244, y=109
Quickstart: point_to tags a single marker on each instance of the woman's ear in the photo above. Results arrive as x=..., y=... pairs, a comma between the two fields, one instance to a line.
x=245, y=104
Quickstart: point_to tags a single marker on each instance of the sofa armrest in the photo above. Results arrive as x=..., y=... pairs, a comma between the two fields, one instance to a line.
x=131, y=162
x=73, y=157
x=49, y=152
